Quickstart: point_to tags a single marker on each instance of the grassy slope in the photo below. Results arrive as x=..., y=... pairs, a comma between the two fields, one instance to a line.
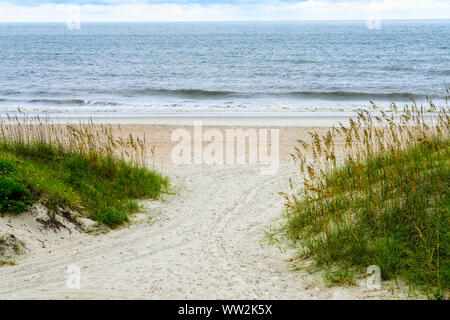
x=102, y=186
x=391, y=211
x=385, y=206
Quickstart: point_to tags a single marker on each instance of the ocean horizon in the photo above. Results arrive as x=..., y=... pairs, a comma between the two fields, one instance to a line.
x=169, y=67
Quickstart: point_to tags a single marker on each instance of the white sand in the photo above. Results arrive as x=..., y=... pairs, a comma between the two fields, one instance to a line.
x=204, y=242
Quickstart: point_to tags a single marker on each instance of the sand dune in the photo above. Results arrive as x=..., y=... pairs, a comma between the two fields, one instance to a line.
x=205, y=241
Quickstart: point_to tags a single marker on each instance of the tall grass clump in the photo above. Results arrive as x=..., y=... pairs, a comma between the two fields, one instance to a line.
x=385, y=203
x=82, y=167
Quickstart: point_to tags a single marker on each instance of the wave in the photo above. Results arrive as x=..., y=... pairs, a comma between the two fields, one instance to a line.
x=222, y=97
x=350, y=95
x=79, y=102
x=190, y=93
x=439, y=72
x=328, y=95
x=64, y=102
x=398, y=68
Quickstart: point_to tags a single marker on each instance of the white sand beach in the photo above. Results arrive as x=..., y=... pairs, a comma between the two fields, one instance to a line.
x=205, y=240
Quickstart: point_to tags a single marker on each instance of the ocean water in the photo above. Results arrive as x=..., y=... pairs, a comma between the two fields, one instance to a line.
x=221, y=67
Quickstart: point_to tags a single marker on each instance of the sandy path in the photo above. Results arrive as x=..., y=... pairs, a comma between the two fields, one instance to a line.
x=205, y=242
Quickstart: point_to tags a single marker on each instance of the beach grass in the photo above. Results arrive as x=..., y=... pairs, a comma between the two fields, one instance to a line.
x=386, y=204
x=80, y=167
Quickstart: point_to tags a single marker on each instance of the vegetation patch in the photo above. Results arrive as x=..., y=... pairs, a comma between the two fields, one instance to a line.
x=386, y=204
x=82, y=167
x=340, y=277
x=14, y=196
x=10, y=247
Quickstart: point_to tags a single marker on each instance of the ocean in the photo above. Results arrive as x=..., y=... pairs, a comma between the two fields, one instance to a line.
x=221, y=67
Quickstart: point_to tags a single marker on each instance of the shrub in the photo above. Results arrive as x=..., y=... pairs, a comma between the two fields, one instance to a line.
x=14, y=197
x=112, y=217
x=7, y=167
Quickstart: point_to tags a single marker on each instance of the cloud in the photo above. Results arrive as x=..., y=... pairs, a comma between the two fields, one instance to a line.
x=222, y=10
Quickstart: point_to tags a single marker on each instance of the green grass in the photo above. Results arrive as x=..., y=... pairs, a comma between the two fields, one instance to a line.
x=14, y=196
x=342, y=276
x=388, y=207
x=99, y=184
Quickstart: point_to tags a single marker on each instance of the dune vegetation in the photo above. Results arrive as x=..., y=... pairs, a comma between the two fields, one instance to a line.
x=387, y=203
x=78, y=167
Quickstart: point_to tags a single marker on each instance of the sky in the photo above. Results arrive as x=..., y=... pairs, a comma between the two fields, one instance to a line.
x=219, y=10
